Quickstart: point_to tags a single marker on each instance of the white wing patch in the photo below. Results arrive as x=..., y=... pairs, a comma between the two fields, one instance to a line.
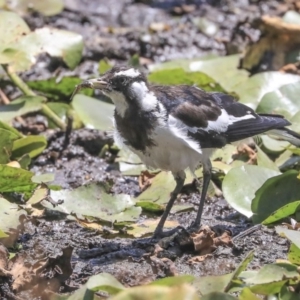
x=233, y=119
x=130, y=73
x=224, y=120
x=146, y=99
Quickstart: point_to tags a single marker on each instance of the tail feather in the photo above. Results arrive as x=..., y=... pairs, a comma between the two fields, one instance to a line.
x=287, y=135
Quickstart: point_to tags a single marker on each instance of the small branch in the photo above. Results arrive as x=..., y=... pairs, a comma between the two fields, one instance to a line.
x=29, y=92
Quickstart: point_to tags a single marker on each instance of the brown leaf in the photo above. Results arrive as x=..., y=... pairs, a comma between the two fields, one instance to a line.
x=199, y=258
x=145, y=179
x=203, y=240
x=4, y=256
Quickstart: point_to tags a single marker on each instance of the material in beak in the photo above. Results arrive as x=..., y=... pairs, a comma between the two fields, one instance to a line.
x=91, y=84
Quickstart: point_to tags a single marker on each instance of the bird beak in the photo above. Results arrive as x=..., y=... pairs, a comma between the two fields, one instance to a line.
x=97, y=83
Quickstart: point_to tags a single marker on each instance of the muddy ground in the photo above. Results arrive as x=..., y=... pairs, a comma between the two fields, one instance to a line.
x=117, y=30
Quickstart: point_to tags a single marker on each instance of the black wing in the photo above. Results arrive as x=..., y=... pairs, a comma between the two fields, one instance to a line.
x=197, y=108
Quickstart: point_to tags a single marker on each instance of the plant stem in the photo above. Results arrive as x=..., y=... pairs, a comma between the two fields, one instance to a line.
x=45, y=110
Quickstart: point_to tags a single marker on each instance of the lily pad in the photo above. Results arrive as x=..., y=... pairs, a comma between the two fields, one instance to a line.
x=11, y=129
x=15, y=180
x=32, y=145
x=217, y=67
x=20, y=47
x=21, y=106
x=241, y=183
x=275, y=193
x=45, y=7
x=218, y=296
x=273, y=146
x=104, y=282
x=94, y=201
x=283, y=212
x=252, y=91
x=246, y=294
x=283, y=98
x=94, y=113
x=264, y=161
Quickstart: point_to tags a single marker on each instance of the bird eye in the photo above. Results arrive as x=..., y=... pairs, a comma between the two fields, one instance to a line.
x=122, y=80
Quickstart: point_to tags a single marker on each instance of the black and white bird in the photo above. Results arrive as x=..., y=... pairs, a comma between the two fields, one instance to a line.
x=175, y=128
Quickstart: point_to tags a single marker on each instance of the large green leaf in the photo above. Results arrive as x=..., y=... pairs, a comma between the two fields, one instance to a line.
x=285, y=97
x=294, y=254
x=224, y=70
x=11, y=129
x=21, y=106
x=274, y=194
x=20, y=47
x=11, y=27
x=58, y=90
x=218, y=296
x=283, y=212
x=94, y=201
x=32, y=145
x=94, y=113
x=179, y=76
x=15, y=180
x=256, y=87
x=46, y=7
x=241, y=183
x=6, y=144
x=104, y=282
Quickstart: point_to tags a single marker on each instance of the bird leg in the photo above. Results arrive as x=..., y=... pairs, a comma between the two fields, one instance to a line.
x=179, y=178
x=206, y=179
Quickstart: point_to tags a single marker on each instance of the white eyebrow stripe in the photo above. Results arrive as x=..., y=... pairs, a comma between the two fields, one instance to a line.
x=130, y=73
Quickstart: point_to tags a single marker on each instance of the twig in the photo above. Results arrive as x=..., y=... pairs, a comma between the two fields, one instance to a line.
x=246, y=232
x=28, y=92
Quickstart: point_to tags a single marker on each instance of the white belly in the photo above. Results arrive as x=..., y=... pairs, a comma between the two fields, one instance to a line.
x=170, y=153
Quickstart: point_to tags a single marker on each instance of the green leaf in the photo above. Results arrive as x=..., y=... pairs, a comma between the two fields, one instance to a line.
x=151, y=292
x=264, y=161
x=256, y=87
x=179, y=76
x=210, y=284
x=273, y=146
x=32, y=145
x=24, y=161
x=104, y=282
x=283, y=212
x=21, y=106
x=294, y=254
x=250, y=178
x=46, y=177
x=246, y=294
x=58, y=90
x=94, y=201
x=285, y=188
x=9, y=215
x=45, y=7
x=150, y=206
x=19, y=47
x=11, y=27
x=218, y=296
x=286, y=294
x=11, y=129
x=104, y=66
x=284, y=97
x=292, y=235
x=94, y=113
x=217, y=68
x=6, y=144
x=272, y=273
x=173, y=281
x=15, y=180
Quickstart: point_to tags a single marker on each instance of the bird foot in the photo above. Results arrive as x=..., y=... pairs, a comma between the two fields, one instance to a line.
x=194, y=227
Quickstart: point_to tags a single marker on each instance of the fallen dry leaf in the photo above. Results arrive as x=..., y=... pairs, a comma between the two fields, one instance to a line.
x=199, y=258
x=145, y=179
x=4, y=256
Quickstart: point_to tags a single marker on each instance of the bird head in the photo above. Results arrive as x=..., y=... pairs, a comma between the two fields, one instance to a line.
x=126, y=87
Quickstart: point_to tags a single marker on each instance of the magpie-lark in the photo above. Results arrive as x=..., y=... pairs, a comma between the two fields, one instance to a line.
x=175, y=128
